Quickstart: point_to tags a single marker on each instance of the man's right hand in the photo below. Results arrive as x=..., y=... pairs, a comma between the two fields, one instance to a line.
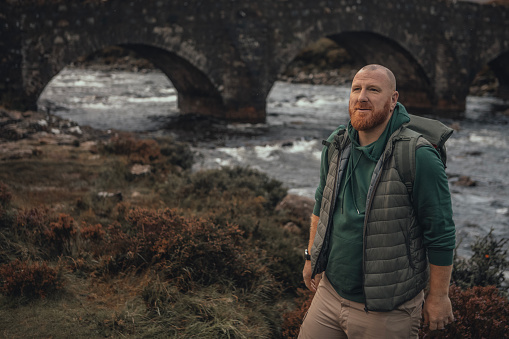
x=311, y=284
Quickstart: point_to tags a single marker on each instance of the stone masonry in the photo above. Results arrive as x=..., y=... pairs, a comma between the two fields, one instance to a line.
x=223, y=56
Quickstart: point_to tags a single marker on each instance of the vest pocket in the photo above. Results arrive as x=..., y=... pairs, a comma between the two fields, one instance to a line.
x=408, y=251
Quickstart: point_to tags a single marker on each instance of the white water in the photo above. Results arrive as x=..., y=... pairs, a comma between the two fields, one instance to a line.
x=288, y=145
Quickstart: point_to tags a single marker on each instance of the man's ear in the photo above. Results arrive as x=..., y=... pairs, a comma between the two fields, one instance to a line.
x=394, y=99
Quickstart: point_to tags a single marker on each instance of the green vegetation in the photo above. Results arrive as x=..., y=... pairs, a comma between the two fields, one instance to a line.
x=485, y=267
x=119, y=239
x=122, y=240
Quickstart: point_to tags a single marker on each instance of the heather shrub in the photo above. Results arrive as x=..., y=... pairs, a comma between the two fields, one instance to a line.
x=187, y=250
x=142, y=151
x=44, y=234
x=236, y=181
x=247, y=198
x=60, y=236
x=29, y=230
x=91, y=238
x=114, y=176
x=178, y=153
x=92, y=233
x=22, y=234
x=32, y=222
x=479, y=312
x=30, y=280
x=485, y=267
x=292, y=320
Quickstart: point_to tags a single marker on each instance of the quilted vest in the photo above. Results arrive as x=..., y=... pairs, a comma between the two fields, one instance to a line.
x=395, y=267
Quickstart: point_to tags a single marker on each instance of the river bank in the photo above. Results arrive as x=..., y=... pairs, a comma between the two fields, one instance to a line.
x=106, y=233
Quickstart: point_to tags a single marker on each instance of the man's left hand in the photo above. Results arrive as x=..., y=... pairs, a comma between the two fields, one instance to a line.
x=437, y=311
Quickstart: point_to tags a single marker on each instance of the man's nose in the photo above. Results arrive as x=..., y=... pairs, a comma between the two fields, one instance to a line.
x=363, y=96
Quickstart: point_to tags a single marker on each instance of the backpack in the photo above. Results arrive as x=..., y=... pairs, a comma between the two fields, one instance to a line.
x=406, y=143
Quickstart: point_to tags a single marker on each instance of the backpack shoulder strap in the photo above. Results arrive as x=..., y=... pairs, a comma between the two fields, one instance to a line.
x=429, y=131
x=404, y=155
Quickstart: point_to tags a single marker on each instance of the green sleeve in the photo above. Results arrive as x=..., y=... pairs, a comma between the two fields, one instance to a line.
x=324, y=169
x=432, y=202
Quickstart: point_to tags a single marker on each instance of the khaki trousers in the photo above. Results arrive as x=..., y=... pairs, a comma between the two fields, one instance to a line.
x=331, y=316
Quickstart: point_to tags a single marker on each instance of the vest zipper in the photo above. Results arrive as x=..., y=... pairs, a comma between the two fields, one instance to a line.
x=369, y=202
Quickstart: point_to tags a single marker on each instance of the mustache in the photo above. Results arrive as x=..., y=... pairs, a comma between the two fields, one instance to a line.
x=363, y=106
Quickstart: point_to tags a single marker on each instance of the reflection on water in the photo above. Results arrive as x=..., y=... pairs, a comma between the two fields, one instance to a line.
x=288, y=145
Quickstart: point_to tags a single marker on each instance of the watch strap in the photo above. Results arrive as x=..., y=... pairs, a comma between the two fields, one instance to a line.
x=307, y=256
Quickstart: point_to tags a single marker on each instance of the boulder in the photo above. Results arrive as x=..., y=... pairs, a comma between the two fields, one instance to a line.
x=465, y=181
x=139, y=169
x=12, y=132
x=297, y=205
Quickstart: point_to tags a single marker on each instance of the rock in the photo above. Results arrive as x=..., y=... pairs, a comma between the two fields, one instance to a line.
x=37, y=152
x=43, y=138
x=90, y=146
x=14, y=116
x=474, y=153
x=455, y=126
x=292, y=228
x=465, y=181
x=139, y=169
x=40, y=125
x=65, y=139
x=104, y=195
x=13, y=132
x=298, y=206
x=4, y=121
x=14, y=150
x=75, y=130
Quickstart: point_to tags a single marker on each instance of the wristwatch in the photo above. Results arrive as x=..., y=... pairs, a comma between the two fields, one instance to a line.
x=307, y=256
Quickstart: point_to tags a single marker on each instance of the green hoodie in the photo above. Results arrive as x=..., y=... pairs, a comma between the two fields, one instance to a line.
x=433, y=204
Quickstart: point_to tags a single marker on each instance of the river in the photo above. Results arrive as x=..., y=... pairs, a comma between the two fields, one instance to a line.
x=288, y=145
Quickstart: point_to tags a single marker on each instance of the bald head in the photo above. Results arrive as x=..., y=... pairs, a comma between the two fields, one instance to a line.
x=390, y=76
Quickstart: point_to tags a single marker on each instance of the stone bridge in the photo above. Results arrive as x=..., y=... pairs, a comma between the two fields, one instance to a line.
x=223, y=56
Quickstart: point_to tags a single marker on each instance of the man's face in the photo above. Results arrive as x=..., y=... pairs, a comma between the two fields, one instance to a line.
x=372, y=99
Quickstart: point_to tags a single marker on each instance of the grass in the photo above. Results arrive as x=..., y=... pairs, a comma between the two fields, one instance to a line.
x=168, y=254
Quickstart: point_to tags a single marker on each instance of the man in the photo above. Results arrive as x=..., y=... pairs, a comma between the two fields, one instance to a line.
x=370, y=239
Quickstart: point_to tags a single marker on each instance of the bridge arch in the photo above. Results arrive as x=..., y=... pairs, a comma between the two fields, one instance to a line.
x=413, y=82
x=196, y=92
x=500, y=67
x=372, y=48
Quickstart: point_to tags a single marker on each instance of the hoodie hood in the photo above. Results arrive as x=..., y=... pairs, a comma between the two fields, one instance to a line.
x=374, y=150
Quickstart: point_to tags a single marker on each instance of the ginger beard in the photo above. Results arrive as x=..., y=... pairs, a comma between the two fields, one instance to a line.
x=364, y=122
